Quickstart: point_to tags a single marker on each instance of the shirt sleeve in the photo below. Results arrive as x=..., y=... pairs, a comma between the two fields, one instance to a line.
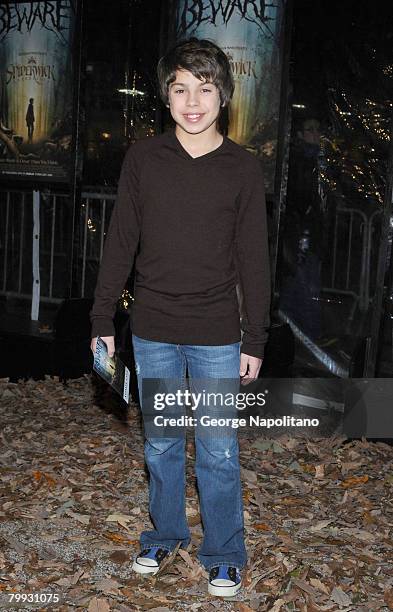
x=119, y=249
x=253, y=263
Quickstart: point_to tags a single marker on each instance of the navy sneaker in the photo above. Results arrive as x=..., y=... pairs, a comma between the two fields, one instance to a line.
x=224, y=581
x=149, y=560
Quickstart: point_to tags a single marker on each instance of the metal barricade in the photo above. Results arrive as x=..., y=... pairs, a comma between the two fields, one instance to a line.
x=350, y=270
x=16, y=238
x=349, y=273
x=95, y=215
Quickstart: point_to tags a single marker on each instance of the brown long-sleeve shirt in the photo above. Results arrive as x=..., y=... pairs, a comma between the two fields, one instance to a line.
x=201, y=227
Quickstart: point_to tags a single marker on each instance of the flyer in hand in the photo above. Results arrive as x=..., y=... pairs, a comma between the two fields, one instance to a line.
x=112, y=370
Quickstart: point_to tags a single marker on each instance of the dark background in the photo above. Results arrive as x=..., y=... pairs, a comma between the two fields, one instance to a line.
x=339, y=70
x=337, y=48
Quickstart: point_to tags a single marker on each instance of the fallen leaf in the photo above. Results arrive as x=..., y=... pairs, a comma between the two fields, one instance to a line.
x=100, y=466
x=70, y=580
x=187, y=558
x=120, y=556
x=339, y=597
x=388, y=598
x=278, y=604
x=319, y=585
x=109, y=586
x=98, y=605
x=262, y=527
x=249, y=475
x=321, y=525
x=114, y=518
x=359, y=534
x=354, y=481
x=242, y=607
x=262, y=445
x=320, y=471
x=82, y=518
x=119, y=537
x=304, y=586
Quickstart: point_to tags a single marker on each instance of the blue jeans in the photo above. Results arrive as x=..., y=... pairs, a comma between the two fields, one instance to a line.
x=217, y=459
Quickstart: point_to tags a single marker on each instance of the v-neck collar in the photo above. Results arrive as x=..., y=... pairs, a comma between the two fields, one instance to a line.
x=200, y=158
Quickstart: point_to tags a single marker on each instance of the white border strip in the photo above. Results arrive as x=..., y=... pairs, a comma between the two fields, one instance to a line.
x=318, y=353
x=35, y=294
x=314, y=402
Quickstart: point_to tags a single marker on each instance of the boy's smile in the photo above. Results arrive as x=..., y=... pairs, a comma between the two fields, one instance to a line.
x=194, y=105
x=193, y=117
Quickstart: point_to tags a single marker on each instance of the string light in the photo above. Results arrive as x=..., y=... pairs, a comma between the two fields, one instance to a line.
x=373, y=117
x=125, y=299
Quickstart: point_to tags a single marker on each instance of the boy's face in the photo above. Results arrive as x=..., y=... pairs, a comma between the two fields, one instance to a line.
x=194, y=104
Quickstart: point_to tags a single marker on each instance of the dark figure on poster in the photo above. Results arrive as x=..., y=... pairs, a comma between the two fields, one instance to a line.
x=30, y=120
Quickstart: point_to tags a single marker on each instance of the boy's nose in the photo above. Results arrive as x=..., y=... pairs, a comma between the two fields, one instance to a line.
x=192, y=100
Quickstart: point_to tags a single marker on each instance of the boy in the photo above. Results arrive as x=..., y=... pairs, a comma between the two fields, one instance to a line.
x=194, y=202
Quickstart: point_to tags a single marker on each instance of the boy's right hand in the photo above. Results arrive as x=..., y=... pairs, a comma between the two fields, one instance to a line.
x=110, y=344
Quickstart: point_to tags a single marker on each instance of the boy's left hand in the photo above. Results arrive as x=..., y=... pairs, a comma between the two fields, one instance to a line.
x=249, y=368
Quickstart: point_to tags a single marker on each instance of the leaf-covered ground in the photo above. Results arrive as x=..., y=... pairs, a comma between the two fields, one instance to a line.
x=73, y=500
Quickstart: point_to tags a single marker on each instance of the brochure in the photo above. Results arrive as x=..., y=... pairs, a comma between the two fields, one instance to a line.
x=112, y=370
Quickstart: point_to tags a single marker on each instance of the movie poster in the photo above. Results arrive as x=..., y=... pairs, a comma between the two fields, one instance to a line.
x=36, y=103
x=250, y=33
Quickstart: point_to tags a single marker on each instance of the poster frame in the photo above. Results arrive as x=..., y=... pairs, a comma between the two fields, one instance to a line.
x=73, y=170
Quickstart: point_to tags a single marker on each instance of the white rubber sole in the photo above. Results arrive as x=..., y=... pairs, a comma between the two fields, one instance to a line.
x=144, y=569
x=224, y=591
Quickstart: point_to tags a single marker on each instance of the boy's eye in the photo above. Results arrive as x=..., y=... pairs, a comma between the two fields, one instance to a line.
x=179, y=90
x=206, y=90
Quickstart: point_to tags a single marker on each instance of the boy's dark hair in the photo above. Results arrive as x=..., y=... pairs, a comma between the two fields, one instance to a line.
x=204, y=59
